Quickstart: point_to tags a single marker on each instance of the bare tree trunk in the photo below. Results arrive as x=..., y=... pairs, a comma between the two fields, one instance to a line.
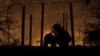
x=23, y=25
x=30, y=39
x=42, y=24
x=72, y=24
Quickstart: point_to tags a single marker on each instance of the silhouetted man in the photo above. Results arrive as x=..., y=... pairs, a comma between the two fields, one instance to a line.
x=62, y=36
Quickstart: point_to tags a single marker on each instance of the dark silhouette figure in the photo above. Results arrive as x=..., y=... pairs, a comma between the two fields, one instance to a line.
x=62, y=36
x=49, y=39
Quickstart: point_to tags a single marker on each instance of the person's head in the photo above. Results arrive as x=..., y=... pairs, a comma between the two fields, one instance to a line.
x=56, y=26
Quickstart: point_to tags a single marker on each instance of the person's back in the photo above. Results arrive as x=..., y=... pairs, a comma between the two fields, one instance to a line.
x=62, y=36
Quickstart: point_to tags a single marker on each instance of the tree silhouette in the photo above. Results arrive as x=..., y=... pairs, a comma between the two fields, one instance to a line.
x=6, y=22
x=3, y=28
x=93, y=36
x=92, y=29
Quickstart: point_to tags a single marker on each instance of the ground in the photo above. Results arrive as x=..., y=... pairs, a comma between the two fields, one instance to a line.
x=77, y=51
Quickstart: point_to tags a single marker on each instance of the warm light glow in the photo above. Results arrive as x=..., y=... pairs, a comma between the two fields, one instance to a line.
x=57, y=45
x=49, y=45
